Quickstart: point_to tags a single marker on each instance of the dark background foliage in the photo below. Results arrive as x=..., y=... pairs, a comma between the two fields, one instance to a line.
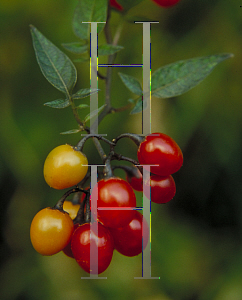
x=196, y=238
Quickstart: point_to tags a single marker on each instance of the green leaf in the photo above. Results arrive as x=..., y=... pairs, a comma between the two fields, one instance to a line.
x=89, y=11
x=131, y=83
x=54, y=64
x=60, y=103
x=108, y=49
x=71, y=131
x=84, y=93
x=138, y=107
x=77, y=48
x=94, y=113
x=131, y=101
x=82, y=106
x=177, y=78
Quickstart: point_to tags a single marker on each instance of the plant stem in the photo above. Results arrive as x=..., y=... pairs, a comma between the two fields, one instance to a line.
x=59, y=204
x=75, y=113
x=108, y=108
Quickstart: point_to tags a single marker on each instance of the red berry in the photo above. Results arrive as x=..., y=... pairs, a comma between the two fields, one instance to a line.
x=116, y=5
x=67, y=250
x=115, y=192
x=160, y=149
x=80, y=245
x=136, y=182
x=166, y=3
x=163, y=189
x=128, y=239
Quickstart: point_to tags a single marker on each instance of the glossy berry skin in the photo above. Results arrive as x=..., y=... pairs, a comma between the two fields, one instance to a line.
x=67, y=250
x=128, y=239
x=80, y=245
x=115, y=192
x=163, y=189
x=65, y=167
x=160, y=149
x=71, y=208
x=166, y=3
x=50, y=231
x=116, y=5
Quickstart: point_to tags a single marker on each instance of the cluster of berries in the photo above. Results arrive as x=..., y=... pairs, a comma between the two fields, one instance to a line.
x=67, y=226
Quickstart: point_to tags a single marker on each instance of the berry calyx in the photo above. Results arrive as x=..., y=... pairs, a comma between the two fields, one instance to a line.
x=166, y=3
x=65, y=167
x=103, y=241
x=50, y=231
x=161, y=150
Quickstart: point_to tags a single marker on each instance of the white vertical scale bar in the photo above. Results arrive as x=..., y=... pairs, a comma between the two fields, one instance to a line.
x=146, y=129
x=146, y=112
x=94, y=78
x=146, y=253
x=146, y=120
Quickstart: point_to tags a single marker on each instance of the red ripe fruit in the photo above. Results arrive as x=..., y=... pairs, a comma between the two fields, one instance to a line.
x=67, y=250
x=166, y=3
x=163, y=189
x=161, y=150
x=102, y=241
x=136, y=182
x=128, y=239
x=115, y=193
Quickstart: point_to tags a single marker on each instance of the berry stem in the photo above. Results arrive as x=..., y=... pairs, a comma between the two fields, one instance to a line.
x=81, y=143
x=130, y=170
x=134, y=162
x=88, y=209
x=107, y=170
x=59, y=204
x=137, y=139
x=80, y=217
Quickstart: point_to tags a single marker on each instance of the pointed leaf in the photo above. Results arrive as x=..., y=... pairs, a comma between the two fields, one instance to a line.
x=138, y=106
x=131, y=101
x=132, y=84
x=71, y=131
x=89, y=11
x=82, y=106
x=60, y=103
x=84, y=93
x=108, y=49
x=54, y=64
x=177, y=78
x=77, y=48
x=94, y=113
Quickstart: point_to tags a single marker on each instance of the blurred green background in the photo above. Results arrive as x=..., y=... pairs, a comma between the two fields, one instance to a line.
x=196, y=238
